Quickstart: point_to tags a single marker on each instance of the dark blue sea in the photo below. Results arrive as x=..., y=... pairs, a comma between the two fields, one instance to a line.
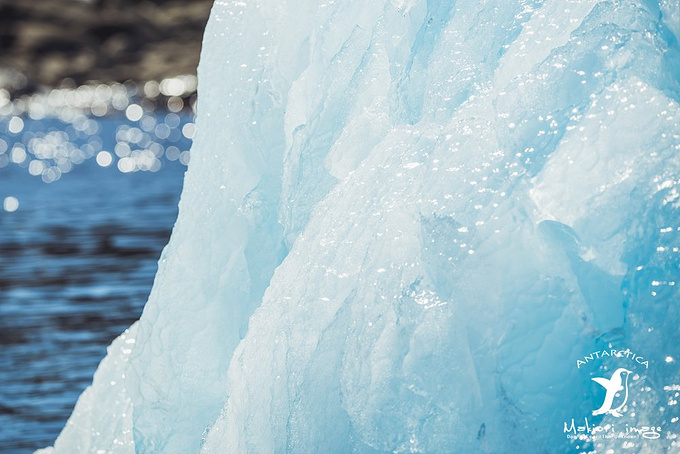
x=86, y=207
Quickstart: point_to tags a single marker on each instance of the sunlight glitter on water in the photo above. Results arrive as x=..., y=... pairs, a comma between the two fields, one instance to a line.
x=51, y=133
x=78, y=257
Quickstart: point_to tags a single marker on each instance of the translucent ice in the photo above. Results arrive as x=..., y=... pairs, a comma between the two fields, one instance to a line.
x=403, y=223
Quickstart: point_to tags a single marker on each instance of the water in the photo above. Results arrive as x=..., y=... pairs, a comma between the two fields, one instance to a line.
x=77, y=257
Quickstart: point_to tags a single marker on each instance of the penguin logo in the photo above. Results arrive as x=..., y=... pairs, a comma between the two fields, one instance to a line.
x=617, y=383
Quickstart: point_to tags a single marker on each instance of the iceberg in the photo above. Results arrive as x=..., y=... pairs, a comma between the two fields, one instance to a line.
x=415, y=226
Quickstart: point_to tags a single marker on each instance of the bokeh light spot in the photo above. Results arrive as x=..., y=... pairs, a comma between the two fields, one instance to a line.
x=16, y=125
x=134, y=112
x=10, y=204
x=104, y=158
x=126, y=164
x=189, y=130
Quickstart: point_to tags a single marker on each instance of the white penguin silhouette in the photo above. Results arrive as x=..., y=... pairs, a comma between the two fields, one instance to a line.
x=615, y=384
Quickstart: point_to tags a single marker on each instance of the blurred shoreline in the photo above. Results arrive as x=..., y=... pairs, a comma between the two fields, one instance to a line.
x=47, y=44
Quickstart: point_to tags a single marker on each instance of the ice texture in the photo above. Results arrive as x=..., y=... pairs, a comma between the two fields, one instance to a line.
x=402, y=224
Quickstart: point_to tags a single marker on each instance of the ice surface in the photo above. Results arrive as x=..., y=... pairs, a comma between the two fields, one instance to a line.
x=402, y=224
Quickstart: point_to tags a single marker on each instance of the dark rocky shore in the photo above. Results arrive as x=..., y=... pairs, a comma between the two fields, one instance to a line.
x=44, y=42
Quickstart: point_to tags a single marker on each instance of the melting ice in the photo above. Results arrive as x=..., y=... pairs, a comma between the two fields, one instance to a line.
x=403, y=223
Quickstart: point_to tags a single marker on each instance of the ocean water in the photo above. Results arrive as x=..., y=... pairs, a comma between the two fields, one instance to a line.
x=77, y=256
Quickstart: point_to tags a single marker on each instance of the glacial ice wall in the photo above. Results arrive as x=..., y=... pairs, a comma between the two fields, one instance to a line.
x=403, y=223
